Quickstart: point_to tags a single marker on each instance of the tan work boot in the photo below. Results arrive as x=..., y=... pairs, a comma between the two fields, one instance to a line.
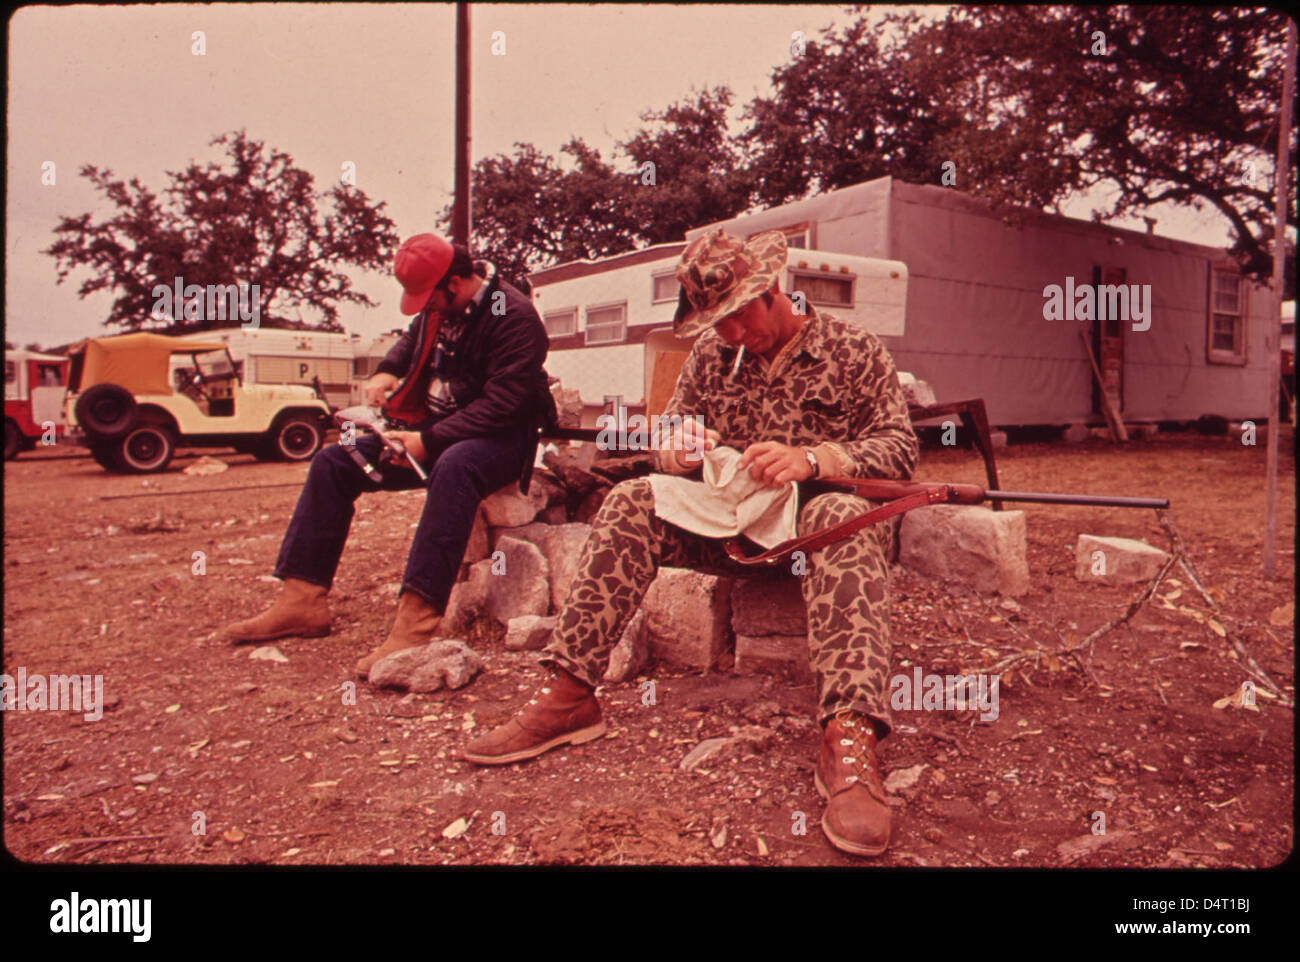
x=857, y=818
x=563, y=712
x=414, y=625
x=301, y=609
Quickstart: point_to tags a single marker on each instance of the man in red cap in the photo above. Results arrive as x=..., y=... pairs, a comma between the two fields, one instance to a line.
x=466, y=384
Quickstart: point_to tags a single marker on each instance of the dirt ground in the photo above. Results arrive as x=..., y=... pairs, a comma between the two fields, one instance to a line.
x=275, y=767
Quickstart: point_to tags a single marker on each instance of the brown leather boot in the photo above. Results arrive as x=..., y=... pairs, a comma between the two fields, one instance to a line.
x=414, y=625
x=563, y=712
x=301, y=609
x=857, y=818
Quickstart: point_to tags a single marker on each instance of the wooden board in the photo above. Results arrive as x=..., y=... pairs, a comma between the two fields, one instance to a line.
x=1113, y=419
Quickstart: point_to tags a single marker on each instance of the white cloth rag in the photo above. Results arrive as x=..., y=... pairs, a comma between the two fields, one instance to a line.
x=728, y=502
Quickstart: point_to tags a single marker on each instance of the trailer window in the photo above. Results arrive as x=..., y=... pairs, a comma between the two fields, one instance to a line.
x=796, y=235
x=607, y=324
x=822, y=290
x=1226, y=338
x=664, y=288
x=561, y=323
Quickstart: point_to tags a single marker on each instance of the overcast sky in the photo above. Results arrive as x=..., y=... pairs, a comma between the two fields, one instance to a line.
x=119, y=88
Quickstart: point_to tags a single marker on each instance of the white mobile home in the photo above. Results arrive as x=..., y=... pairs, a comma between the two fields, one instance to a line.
x=977, y=310
x=992, y=311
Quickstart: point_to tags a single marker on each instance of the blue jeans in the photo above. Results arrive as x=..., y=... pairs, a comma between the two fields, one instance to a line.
x=459, y=479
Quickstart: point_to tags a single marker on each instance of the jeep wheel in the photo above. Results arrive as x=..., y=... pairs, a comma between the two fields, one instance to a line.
x=148, y=448
x=296, y=438
x=13, y=440
x=105, y=411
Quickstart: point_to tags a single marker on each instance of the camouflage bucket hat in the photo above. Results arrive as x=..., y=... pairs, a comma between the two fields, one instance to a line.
x=719, y=274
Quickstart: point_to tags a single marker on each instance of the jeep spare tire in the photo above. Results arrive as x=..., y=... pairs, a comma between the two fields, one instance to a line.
x=105, y=411
x=105, y=455
x=297, y=438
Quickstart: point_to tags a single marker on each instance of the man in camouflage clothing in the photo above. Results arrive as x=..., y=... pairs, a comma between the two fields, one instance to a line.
x=812, y=396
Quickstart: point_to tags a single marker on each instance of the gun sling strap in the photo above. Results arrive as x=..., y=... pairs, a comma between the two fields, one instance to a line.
x=919, y=496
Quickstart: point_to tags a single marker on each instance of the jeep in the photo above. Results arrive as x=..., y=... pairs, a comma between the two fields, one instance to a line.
x=124, y=407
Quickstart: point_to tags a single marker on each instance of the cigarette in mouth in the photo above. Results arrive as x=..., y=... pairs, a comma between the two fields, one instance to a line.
x=739, y=355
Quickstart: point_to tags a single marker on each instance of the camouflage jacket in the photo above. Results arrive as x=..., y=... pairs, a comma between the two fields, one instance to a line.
x=833, y=388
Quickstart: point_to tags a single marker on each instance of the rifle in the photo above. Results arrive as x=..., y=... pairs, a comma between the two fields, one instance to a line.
x=901, y=496
x=364, y=418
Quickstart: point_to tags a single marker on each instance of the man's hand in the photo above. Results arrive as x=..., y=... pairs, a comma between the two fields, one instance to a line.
x=776, y=464
x=377, y=389
x=411, y=441
x=686, y=446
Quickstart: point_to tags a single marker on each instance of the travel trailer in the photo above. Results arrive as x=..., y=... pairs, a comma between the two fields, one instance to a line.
x=274, y=356
x=610, y=320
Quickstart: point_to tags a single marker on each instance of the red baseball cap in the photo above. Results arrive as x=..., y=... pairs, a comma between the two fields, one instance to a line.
x=421, y=262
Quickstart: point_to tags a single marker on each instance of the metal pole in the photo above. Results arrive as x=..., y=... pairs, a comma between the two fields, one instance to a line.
x=1273, y=342
x=460, y=208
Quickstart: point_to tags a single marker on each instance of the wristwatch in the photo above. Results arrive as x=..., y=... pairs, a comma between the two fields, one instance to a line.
x=812, y=461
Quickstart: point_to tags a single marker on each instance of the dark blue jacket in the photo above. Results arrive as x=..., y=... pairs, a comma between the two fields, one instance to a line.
x=496, y=374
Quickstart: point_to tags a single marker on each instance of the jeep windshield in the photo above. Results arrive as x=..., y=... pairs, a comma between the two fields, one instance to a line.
x=215, y=365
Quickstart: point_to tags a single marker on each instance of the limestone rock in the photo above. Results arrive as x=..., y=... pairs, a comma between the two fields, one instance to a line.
x=1116, y=561
x=974, y=546
x=440, y=663
x=523, y=585
x=529, y=632
x=206, y=465
x=477, y=548
x=545, y=484
x=561, y=545
x=572, y=465
x=746, y=740
x=1076, y=433
x=631, y=652
x=776, y=654
x=468, y=598
x=689, y=617
x=555, y=514
x=568, y=405
x=902, y=779
x=1074, y=849
x=507, y=508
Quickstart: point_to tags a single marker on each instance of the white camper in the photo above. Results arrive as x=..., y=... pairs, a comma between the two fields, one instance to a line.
x=274, y=356
x=610, y=320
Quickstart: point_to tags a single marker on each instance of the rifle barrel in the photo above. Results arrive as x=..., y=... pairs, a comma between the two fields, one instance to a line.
x=1099, y=500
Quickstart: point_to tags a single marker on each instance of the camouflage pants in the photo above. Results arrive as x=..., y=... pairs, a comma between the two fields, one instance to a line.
x=845, y=588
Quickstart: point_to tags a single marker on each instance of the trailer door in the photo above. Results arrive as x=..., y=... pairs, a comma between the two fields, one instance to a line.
x=1108, y=343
